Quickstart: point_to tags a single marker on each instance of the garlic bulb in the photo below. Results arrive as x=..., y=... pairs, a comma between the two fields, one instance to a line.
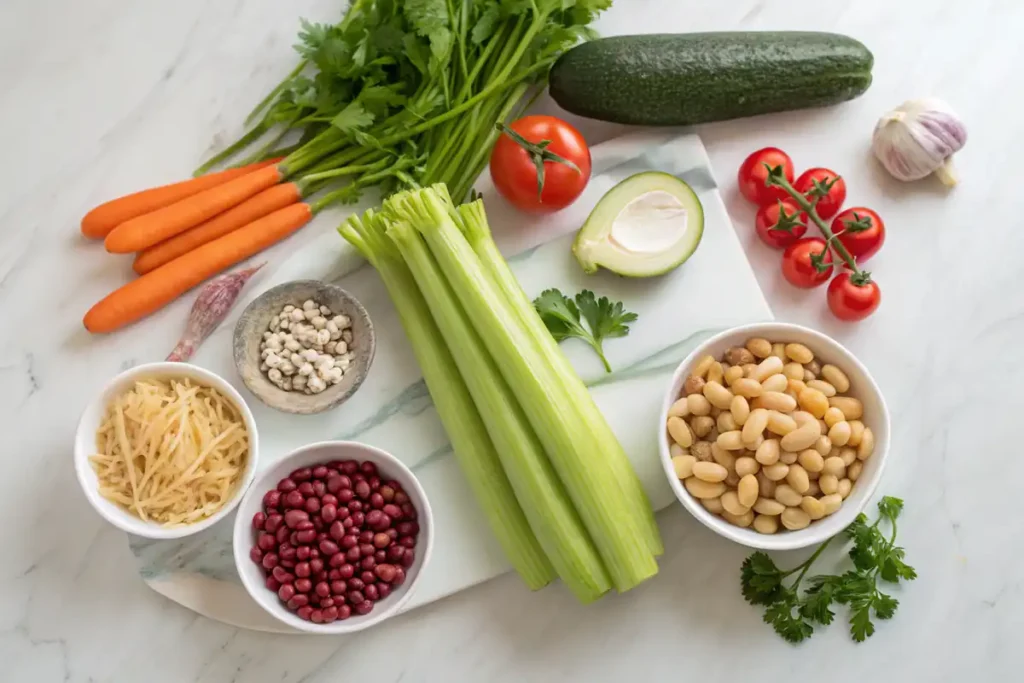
x=919, y=138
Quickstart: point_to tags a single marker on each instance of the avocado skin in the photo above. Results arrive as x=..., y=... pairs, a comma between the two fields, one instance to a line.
x=683, y=79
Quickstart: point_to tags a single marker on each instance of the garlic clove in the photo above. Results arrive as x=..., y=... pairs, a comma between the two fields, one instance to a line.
x=919, y=138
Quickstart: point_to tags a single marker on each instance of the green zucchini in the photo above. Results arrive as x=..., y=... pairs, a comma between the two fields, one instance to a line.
x=678, y=80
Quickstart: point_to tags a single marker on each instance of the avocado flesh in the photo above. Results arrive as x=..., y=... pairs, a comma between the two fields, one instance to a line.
x=647, y=225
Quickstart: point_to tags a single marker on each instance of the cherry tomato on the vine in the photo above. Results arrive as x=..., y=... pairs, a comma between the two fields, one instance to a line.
x=798, y=263
x=851, y=301
x=752, y=175
x=861, y=231
x=815, y=181
x=780, y=224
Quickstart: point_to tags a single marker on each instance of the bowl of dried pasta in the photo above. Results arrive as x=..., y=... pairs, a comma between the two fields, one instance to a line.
x=166, y=450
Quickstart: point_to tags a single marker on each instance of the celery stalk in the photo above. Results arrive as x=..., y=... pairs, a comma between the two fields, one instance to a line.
x=472, y=446
x=474, y=225
x=550, y=406
x=543, y=497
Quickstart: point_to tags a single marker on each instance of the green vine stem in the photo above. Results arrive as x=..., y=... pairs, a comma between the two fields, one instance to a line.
x=777, y=178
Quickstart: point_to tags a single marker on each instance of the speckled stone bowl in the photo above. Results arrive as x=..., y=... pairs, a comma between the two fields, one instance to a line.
x=254, y=322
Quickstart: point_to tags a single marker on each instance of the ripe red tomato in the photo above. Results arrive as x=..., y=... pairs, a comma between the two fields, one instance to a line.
x=861, y=231
x=753, y=173
x=814, y=178
x=798, y=267
x=850, y=301
x=515, y=164
x=780, y=224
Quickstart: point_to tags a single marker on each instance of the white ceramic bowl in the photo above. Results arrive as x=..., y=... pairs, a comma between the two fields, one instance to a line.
x=390, y=467
x=85, y=446
x=862, y=386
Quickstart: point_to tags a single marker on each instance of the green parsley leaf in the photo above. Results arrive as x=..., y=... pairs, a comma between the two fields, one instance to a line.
x=760, y=580
x=890, y=507
x=885, y=605
x=564, y=318
x=861, y=627
x=790, y=626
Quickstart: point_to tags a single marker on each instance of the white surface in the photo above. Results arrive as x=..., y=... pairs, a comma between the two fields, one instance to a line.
x=862, y=386
x=393, y=410
x=95, y=415
x=104, y=97
x=389, y=467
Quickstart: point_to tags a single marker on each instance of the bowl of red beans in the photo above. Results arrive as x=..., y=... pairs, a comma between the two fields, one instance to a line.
x=332, y=538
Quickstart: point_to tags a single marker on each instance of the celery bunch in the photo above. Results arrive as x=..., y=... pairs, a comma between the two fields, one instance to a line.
x=571, y=479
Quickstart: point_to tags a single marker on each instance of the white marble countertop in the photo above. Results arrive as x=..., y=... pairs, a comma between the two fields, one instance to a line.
x=105, y=97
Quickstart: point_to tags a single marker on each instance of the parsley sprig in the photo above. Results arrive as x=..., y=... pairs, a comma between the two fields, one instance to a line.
x=565, y=317
x=793, y=613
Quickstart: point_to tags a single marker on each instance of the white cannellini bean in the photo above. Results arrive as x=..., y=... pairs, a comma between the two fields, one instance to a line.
x=296, y=315
x=346, y=336
x=273, y=360
x=309, y=305
x=325, y=312
x=319, y=322
x=306, y=368
x=316, y=384
x=322, y=337
x=341, y=348
x=274, y=374
x=292, y=345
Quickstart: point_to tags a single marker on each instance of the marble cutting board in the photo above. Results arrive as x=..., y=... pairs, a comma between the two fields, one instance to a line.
x=715, y=289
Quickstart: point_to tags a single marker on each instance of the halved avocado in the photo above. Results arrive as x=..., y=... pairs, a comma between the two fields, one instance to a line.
x=646, y=225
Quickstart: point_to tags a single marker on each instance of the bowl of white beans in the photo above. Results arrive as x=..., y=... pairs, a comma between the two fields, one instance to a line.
x=773, y=435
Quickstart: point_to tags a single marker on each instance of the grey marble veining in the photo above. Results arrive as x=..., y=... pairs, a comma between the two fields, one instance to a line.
x=105, y=97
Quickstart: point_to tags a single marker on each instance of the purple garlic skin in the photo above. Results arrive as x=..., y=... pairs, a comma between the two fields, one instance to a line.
x=919, y=138
x=212, y=305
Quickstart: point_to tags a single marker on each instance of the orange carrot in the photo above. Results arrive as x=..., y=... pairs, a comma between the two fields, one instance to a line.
x=264, y=203
x=98, y=223
x=144, y=231
x=159, y=287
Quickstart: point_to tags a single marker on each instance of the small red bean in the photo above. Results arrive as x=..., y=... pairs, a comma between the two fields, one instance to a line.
x=293, y=538
x=293, y=517
x=286, y=551
x=366, y=550
x=358, y=519
x=346, y=571
x=304, y=612
x=362, y=490
x=383, y=523
x=282, y=534
x=333, y=483
x=408, y=541
x=318, y=524
x=384, y=590
x=302, y=570
x=344, y=612
x=294, y=499
x=323, y=589
x=314, y=553
x=344, y=513
x=305, y=525
x=319, y=472
x=303, y=585
x=339, y=587
x=399, y=577
x=337, y=560
x=288, y=564
x=355, y=597
x=353, y=554
x=286, y=592
x=312, y=505
x=258, y=520
x=319, y=576
x=368, y=577
x=328, y=513
x=380, y=556
x=371, y=592
x=334, y=575
x=316, y=565
x=273, y=522
x=396, y=552
x=286, y=485
x=330, y=614
x=364, y=607
x=329, y=499
x=266, y=542
x=280, y=573
x=376, y=501
x=302, y=553
x=392, y=511
x=322, y=536
x=368, y=468
x=365, y=536
x=317, y=617
x=349, y=467
x=381, y=540
x=407, y=528
x=401, y=498
x=328, y=548
x=256, y=555
x=270, y=561
x=306, y=489
x=355, y=506
x=355, y=584
x=307, y=536
x=273, y=584
x=302, y=474
x=271, y=499
x=408, y=511
x=385, y=572
x=345, y=496
x=373, y=519
x=326, y=603
x=392, y=534
x=349, y=541
x=348, y=522
x=387, y=493
x=408, y=558
x=291, y=604
x=319, y=489
x=368, y=563
x=374, y=483
x=337, y=531
x=334, y=464
x=300, y=600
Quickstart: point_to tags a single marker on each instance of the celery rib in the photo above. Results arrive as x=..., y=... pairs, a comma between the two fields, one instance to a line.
x=618, y=532
x=541, y=494
x=473, y=448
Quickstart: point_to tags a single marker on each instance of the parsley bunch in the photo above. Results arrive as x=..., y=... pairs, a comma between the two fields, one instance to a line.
x=401, y=94
x=564, y=318
x=793, y=613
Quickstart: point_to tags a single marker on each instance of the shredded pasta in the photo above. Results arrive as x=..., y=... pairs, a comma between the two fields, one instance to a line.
x=170, y=451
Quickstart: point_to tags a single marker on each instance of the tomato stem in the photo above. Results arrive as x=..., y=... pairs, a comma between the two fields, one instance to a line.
x=539, y=153
x=777, y=178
